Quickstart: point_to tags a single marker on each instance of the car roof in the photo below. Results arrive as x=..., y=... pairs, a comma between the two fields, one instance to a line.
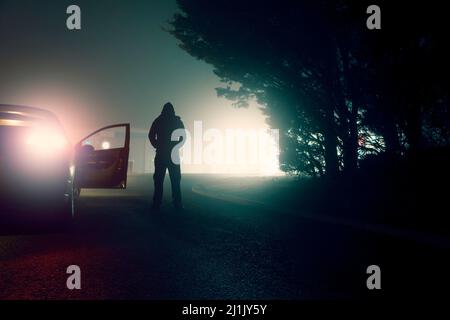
x=26, y=114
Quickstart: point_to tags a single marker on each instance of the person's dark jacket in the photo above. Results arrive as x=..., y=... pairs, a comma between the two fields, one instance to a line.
x=162, y=128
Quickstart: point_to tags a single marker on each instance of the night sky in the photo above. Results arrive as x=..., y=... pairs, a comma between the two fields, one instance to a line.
x=121, y=67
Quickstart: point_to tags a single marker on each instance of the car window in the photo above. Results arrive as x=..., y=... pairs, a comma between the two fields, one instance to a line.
x=111, y=138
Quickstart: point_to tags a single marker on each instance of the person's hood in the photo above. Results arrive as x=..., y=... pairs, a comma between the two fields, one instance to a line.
x=168, y=110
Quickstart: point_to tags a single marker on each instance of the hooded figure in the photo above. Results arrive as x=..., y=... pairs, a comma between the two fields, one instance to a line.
x=167, y=157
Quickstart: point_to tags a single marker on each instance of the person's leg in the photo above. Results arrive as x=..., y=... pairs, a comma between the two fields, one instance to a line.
x=158, y=179
x=175, y=178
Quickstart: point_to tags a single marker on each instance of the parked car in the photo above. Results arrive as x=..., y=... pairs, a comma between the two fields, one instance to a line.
x=41, y=173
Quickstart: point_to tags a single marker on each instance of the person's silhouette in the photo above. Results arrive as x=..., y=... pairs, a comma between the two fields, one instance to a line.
x=167, y=157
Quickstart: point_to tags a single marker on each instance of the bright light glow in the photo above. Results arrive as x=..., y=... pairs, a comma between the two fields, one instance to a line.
x=10, y=122
x=270, y=164
x=72, y=171
x=106, y=145
x=232, y=151
x=45, y=142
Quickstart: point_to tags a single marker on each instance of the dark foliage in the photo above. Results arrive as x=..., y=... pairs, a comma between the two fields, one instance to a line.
x=337, y=91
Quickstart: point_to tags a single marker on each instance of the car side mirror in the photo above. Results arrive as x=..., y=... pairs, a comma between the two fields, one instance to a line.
x=86, y=149
x=82, y=152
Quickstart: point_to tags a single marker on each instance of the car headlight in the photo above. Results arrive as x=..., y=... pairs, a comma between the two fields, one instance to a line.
x=45, y=143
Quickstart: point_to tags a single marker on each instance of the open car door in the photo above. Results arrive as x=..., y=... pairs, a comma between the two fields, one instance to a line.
x=101, y=158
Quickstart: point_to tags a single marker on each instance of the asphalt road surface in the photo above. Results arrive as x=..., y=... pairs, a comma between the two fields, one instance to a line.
x=214, y=249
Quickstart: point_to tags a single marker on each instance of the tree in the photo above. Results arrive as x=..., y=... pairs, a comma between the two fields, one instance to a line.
x=409, y=69
x=329, y=84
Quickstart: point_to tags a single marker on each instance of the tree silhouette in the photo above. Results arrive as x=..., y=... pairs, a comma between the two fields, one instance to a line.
x=336, y=90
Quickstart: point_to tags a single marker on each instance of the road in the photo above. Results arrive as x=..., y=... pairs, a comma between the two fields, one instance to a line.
x=214, y=249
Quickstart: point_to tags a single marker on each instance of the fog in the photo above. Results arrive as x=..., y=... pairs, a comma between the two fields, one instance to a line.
x=120, y=67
